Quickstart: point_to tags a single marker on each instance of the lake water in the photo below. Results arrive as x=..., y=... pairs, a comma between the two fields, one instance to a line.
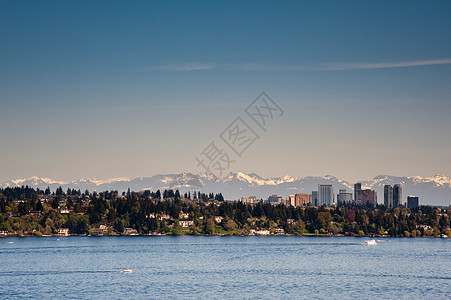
x=224, y=267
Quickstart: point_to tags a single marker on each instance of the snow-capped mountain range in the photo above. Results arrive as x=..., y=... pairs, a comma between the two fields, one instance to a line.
x=434, y=190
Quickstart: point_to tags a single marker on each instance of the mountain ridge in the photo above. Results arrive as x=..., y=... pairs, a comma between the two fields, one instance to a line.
x=434, y=190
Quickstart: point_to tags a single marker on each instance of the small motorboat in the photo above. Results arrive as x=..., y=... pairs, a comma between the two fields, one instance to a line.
x=127, y=271
x=371, y=242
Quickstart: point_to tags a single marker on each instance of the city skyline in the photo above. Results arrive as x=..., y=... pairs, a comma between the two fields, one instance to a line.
x=432, y=191
x=113, y=89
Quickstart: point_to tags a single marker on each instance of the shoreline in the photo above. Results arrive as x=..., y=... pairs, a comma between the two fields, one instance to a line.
x=221, y=235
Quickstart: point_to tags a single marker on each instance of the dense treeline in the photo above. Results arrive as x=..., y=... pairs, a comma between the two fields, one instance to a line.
x=25, y=210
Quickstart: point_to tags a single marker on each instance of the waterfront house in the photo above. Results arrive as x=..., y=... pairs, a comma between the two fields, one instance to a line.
x=165, y=217
x=184, y=215
x=130, y=231
x=101, y=230
x=279, y=231
x=186, y=223
x=63, y=231
x=259, y=232
x=36, y=213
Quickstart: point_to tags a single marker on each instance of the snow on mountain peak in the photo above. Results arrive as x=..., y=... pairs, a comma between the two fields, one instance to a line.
x=417, y=179
x=99, y=181
x=434, y=189
x=208, y=176
x=440, y=180
x=256, y=180
x=35, y=180
x=249, y=179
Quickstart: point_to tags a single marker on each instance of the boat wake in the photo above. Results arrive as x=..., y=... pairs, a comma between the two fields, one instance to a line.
x=371, y=242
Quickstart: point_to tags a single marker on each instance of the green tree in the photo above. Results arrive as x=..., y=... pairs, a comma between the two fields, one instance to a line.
x=69, y=202
x=119, y=225
x=39, y=206
x=5, y=226
x=177, y=229
x=299, y=227
x=229, y=224
x=55, y=202
x=24, y=208
x=209, y=227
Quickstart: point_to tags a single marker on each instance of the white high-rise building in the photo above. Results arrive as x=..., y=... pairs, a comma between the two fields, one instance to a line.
x=325, y=194
x=344, y=197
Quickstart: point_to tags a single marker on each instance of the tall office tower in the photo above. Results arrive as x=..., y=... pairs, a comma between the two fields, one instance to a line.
x=302, y=199
x=274, y=199
x=397, y=195
x=315, y=198
x=388, y=195
x=412, y=202
x=287, y=202
x=291, y=200
x=252, y=199
x=249, y=200
x=358, y=193
x=344, y=197
x=369, y=196
x=325, y=194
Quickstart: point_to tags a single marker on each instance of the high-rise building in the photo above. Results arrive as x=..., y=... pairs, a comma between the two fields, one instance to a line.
x=315, y=198
x=397, y=195
x=358, y=193
x=393, y=195
x=274, y=199
x=287, y=201
x=344, y=197
x=325, y=194
x=302, y=199
x=369, y=196
x=249, y=200
x=291, y=200
x=412, y=202
x=388, y=195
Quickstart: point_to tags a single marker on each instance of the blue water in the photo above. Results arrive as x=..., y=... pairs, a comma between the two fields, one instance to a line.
x=224, y=267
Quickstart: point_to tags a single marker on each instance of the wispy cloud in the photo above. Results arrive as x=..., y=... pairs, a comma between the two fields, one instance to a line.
x=383, y=65
x=320, y=67
x=182, y=67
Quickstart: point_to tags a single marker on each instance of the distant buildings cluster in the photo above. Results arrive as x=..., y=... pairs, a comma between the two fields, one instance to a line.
x=325, y=196
x=393, y=195
x=364, y=196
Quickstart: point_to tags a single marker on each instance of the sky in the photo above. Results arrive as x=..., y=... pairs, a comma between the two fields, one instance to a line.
x=107, y=89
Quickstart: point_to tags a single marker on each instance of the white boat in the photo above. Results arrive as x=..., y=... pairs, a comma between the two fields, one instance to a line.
x=371, y=242
x=126, y=271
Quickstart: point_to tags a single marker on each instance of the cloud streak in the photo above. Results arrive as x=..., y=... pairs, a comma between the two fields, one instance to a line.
x=189, y=67
x=383, y=65
x=182, y=67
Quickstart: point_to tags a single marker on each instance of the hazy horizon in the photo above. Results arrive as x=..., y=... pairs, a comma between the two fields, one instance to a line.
x=110, y=89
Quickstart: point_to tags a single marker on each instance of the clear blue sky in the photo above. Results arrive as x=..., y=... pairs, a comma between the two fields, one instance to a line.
x=113, y=88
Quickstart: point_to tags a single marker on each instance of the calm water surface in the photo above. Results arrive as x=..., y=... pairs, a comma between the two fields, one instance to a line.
x=224, y=267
